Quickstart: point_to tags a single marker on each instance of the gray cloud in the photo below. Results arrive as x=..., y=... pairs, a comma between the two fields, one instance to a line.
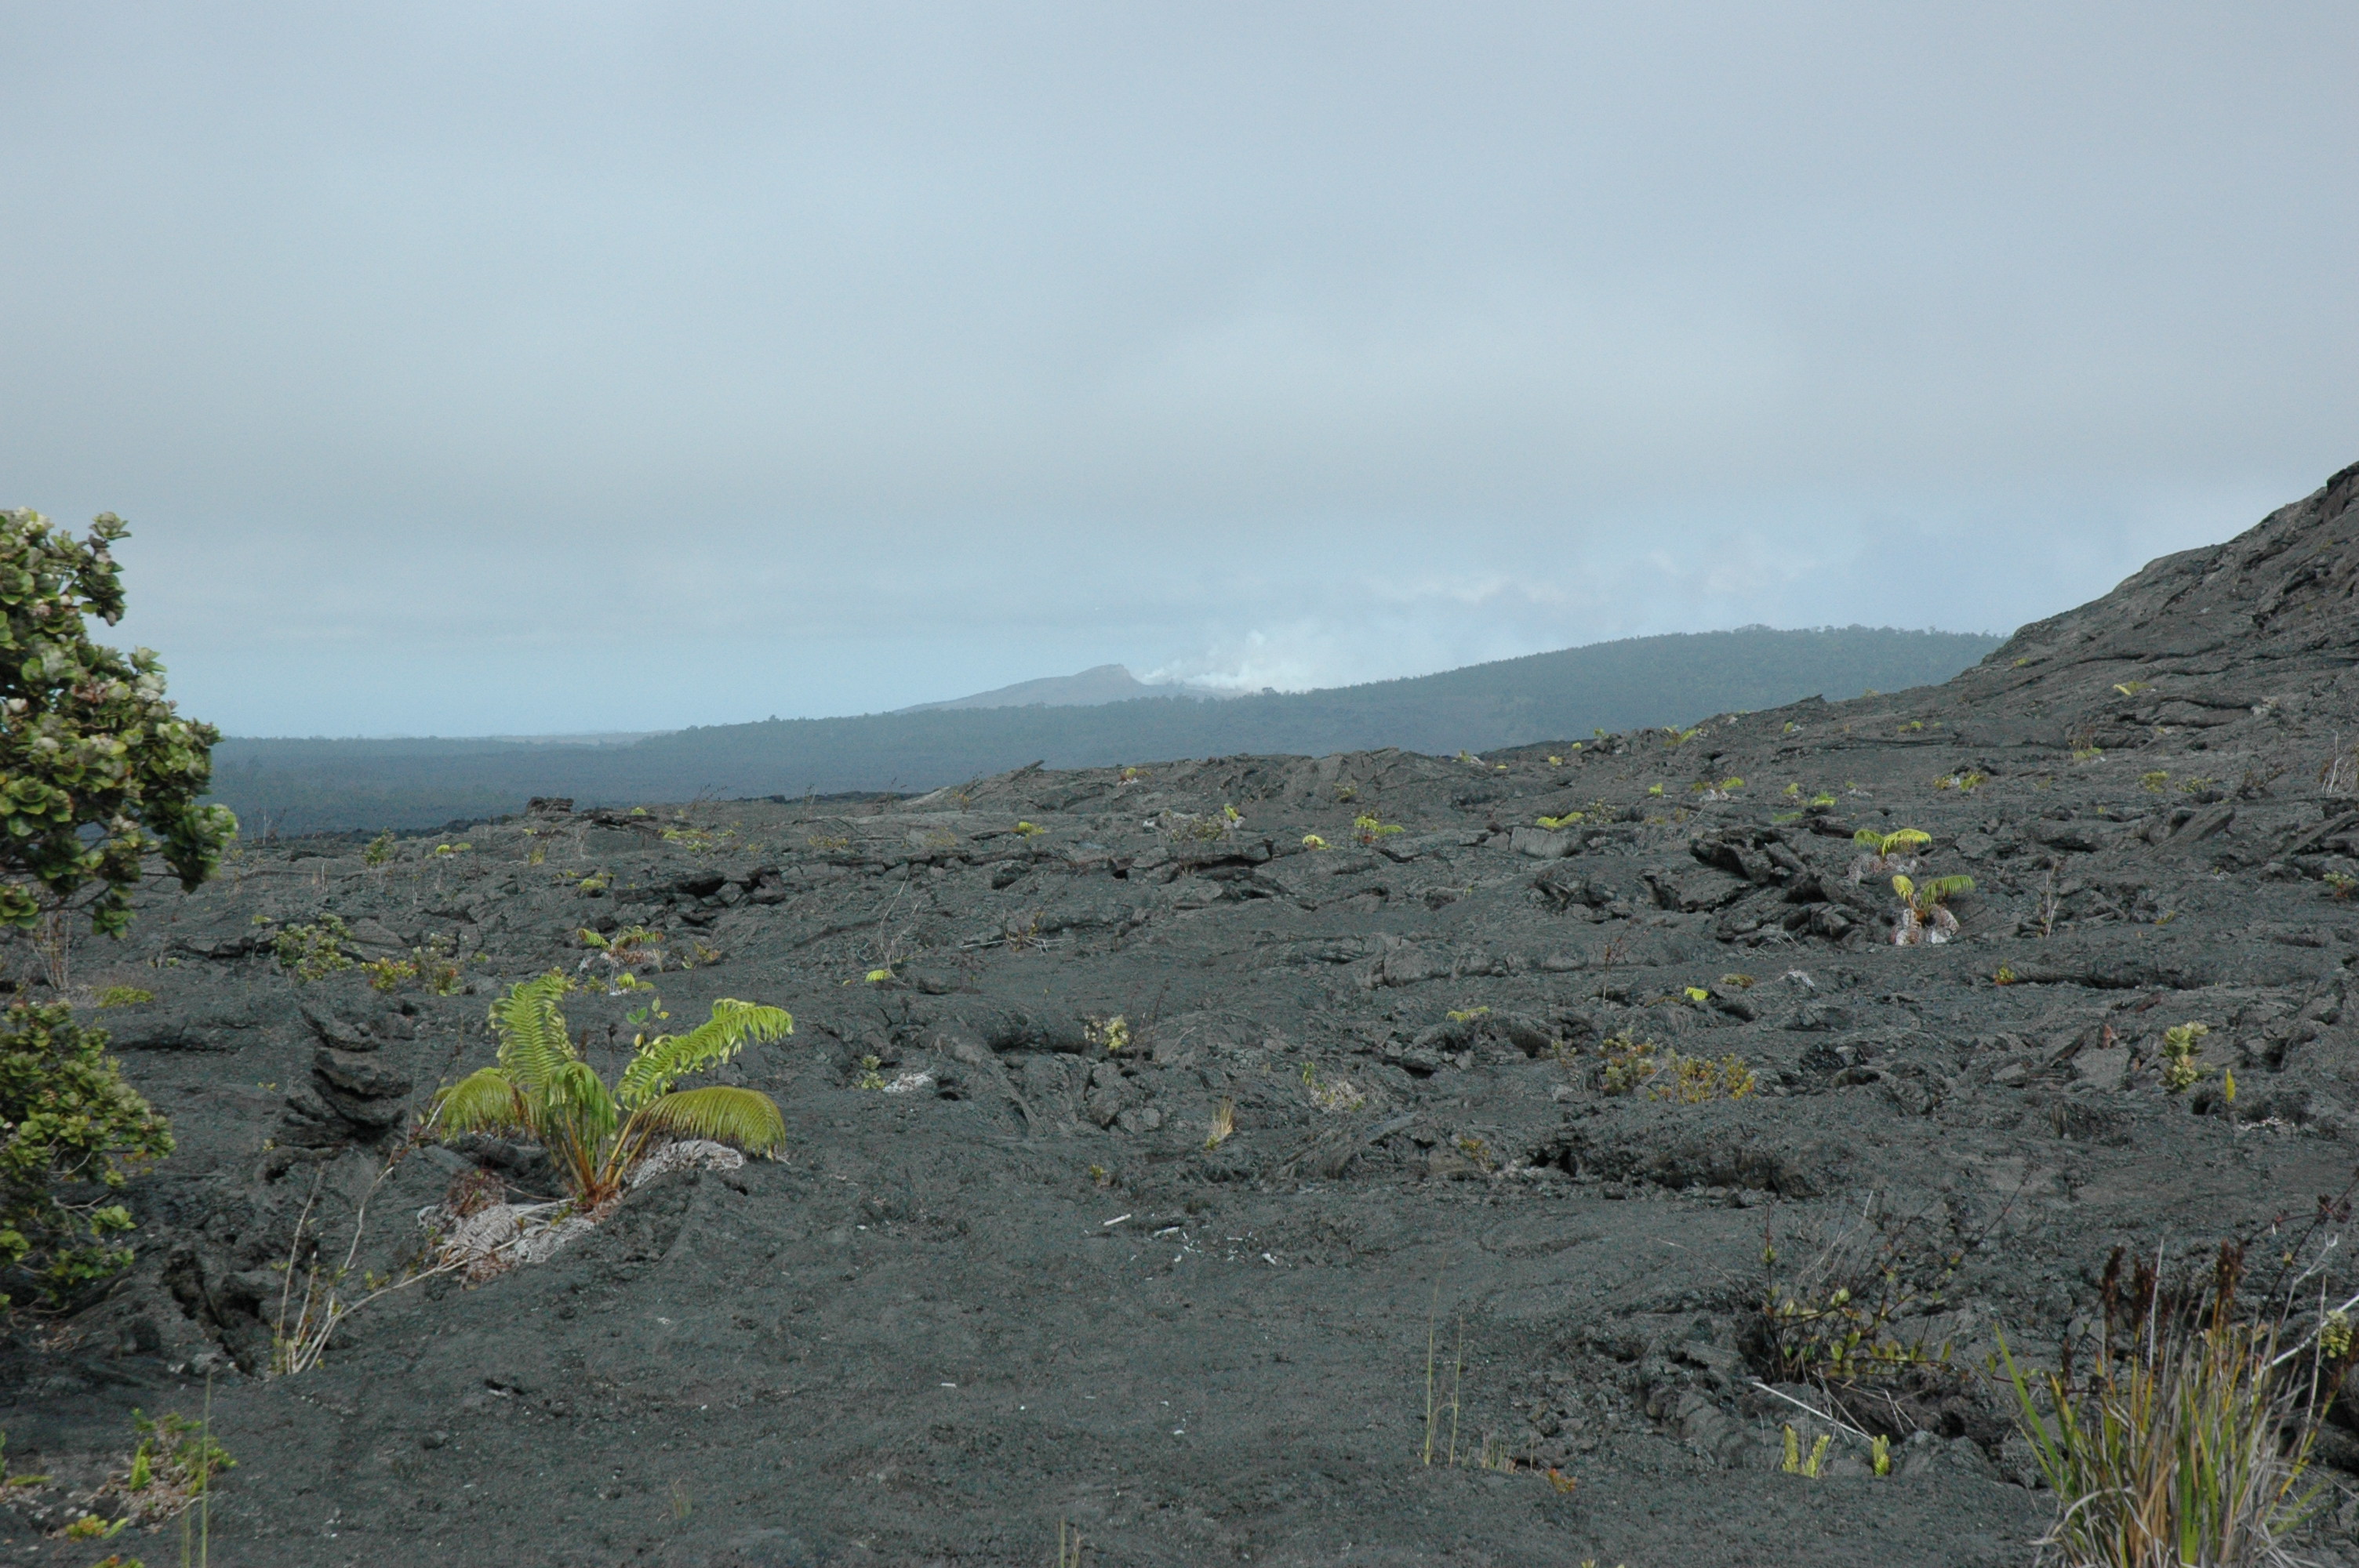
x=503, y=369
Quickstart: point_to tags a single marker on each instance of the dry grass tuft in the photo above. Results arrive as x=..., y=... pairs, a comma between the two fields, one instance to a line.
x=1224, y=1124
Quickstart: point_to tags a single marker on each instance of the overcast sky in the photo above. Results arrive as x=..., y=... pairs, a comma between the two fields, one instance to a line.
x=510, y=369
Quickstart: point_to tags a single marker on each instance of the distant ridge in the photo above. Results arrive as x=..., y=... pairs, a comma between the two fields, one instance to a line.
x=300, y=786
x=1094, y=687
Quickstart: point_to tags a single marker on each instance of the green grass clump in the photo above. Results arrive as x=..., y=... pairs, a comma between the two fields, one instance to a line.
x=2189, y=1438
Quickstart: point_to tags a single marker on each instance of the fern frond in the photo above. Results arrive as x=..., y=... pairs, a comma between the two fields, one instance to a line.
x=533, y=1042
x=486, y=1100
x=666, y=1058
x=576, y=1102
x=1924, y=899
x=744, y=1118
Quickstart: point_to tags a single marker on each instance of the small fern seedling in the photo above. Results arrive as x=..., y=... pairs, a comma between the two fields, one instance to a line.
x=1887, y=853
x=1924, y=914
x=1796, y=1464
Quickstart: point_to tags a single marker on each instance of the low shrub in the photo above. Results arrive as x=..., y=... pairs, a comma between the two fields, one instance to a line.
x=432, y=967
x=71, y=1134
x=314, y=951
x=2182, y=1045
x=385, y=974
x=1627, y=1064
x=1695, y=1079
x=1853, y=1313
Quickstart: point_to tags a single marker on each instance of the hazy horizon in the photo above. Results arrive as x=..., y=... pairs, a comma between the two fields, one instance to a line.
x=614, y=367
x=611, y=737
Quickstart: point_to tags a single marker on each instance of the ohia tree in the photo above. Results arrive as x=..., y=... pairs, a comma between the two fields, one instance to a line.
x=97, y=769
x=97, y=772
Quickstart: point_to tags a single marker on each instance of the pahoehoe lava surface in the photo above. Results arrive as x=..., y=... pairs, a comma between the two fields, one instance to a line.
x=1018, y=1289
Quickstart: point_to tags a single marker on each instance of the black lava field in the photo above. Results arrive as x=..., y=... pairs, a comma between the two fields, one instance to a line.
x=1518, y=1112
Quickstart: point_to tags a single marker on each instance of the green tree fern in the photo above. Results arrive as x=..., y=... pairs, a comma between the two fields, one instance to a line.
x=543, y=1089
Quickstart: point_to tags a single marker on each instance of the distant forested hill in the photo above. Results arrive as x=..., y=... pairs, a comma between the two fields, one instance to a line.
x=300, y=786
